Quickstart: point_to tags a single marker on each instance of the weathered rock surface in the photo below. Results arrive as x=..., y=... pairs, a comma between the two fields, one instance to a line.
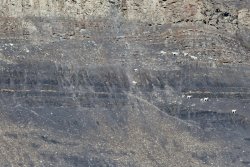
x=124, y=83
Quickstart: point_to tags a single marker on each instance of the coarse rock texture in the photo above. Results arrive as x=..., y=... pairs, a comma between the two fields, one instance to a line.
x=124, y=83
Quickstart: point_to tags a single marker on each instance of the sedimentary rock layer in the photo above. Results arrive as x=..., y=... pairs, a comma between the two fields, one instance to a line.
x=124, y=83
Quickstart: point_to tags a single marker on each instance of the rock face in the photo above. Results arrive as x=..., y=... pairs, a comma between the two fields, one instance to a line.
x=124, y=83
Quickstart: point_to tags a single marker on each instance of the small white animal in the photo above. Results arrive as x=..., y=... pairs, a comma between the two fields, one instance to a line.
x=175, y=53
x=206, y=99
x=27, y=50
x=134, y=82
x=135, y=69
x=163, y=52
x=194, y=57
x=189, y=96
x=233, y=111
x=185, y=53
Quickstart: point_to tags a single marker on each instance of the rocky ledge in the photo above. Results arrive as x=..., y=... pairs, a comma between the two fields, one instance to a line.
x=124, y=83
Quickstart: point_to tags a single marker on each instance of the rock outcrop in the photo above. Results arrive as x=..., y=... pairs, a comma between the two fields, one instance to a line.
x=124, y=83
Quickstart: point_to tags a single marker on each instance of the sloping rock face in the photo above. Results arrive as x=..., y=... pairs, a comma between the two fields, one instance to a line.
x=133, y=83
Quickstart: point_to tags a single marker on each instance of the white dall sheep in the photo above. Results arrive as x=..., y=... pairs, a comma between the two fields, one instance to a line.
x=163, y=52
x=185, y=53
x=233, y=111
x=134, y=82
x=175, y=53
x=194, y=57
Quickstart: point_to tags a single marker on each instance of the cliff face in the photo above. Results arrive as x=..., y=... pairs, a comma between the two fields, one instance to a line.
x=124, y=83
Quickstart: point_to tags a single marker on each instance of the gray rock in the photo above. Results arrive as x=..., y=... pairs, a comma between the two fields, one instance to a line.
x=87, y=83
